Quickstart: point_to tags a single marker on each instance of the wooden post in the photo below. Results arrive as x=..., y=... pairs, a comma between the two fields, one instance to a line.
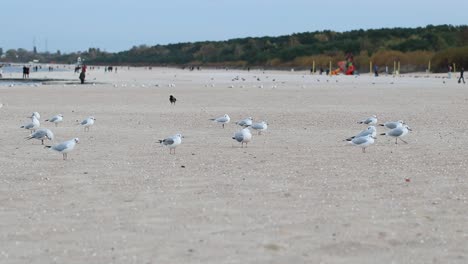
x=394, y=67
x=313, y=66
x=454, y=67
x=399, y=68
x=429, y=66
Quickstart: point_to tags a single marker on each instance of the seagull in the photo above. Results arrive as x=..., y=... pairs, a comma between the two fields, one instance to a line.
x=260, y=126
x=172, y=142
x=245, y=122
x=392, y=125
x=369, y=121
x=172, y=99
x=55, y=119
x=33, y=125
x=243, y=136
x=363, y=142
x=41, y=134
x=398, y=132
x=223, y=119
x=88, y=122
x=65, y=147
x=36, y=114
x=369, y=131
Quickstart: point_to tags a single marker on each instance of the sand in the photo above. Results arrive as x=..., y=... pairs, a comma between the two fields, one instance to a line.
x=297, y=194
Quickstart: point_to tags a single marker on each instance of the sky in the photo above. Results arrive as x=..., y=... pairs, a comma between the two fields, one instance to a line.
x=117, y=25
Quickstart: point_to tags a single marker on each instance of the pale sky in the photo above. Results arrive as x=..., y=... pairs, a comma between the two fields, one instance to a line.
x=116, y=25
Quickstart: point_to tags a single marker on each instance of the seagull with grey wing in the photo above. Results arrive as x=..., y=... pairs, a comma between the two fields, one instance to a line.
x=369, y=131
x=55, y=119
x=65, y=147
x=33, y=125
x=172, y=142
x=363, y=142
x=42, y=134
x=260, y=126
x=245, y=122
x=222, y=120
x=398, y=133
x=393, y=124
x=369, y=121
x=88, y=122
x=243, y=136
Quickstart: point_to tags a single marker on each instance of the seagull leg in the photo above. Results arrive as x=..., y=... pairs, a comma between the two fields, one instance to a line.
x=42, y=141
x=404, y=141
x=223, y=125
x=363, y=150
x=396, y=141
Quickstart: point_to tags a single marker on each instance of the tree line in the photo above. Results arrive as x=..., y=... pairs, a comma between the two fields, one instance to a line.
x=413, y=47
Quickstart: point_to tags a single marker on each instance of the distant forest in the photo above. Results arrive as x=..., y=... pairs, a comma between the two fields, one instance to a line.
x=412, y=47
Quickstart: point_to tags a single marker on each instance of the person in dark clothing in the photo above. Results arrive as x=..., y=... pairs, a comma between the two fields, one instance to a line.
x=82, y=77
x=461, y=76
x=24, y=72
x=172, y=99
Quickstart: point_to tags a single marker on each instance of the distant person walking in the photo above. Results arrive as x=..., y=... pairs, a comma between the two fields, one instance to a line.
x=376, y=71
x=462, y=71
x=24, y=71
x=1, y=71
x=82, y=76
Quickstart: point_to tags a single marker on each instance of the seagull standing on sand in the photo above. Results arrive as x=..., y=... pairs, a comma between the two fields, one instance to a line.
x=369, y=121
x=33, y=125
x=55, y=119
x=41, y=134
x=172, y=142
x=243, y=136
x=222, y=120
x=363, y=142
x=36, y=114
x=392, y=125
x=260, y=126
x=245, y=122
x=88, y=122
x=398, y=132
x=65, y=147
x=369, y=131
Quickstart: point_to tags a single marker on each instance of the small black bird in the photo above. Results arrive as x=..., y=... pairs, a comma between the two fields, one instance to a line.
x=172, y=99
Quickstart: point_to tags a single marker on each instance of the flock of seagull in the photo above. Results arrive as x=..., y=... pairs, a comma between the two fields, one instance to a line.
x=243, y=136
x=43, y=134
x=365, y=138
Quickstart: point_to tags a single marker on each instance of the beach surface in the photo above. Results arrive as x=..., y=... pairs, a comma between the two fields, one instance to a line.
x=297, y=194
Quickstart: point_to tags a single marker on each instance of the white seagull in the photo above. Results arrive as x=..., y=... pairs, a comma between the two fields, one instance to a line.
x=222, y=120
x=65, y=147
x=33, y=125
x=369, y=131
x=172, y=142
x=398, y=132
x=243, y=136
x=55, y=119
x=363, y=142
x=392, y=125
x=369, y=121
x=260, y=126
x=42, y=134
x=88, y=122
x=245, y=122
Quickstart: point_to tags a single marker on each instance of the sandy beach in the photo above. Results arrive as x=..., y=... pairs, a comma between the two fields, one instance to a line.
x=297, y=194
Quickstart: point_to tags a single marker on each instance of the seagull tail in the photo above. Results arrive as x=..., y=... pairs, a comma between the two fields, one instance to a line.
x=381, y=125
x=21, y=126
x=360, y=122
x=349, y=139
x=47, y=120
x=160, y=141
x=47, y=147
x=28, y=138
x=383, y=134
x=212, y=119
